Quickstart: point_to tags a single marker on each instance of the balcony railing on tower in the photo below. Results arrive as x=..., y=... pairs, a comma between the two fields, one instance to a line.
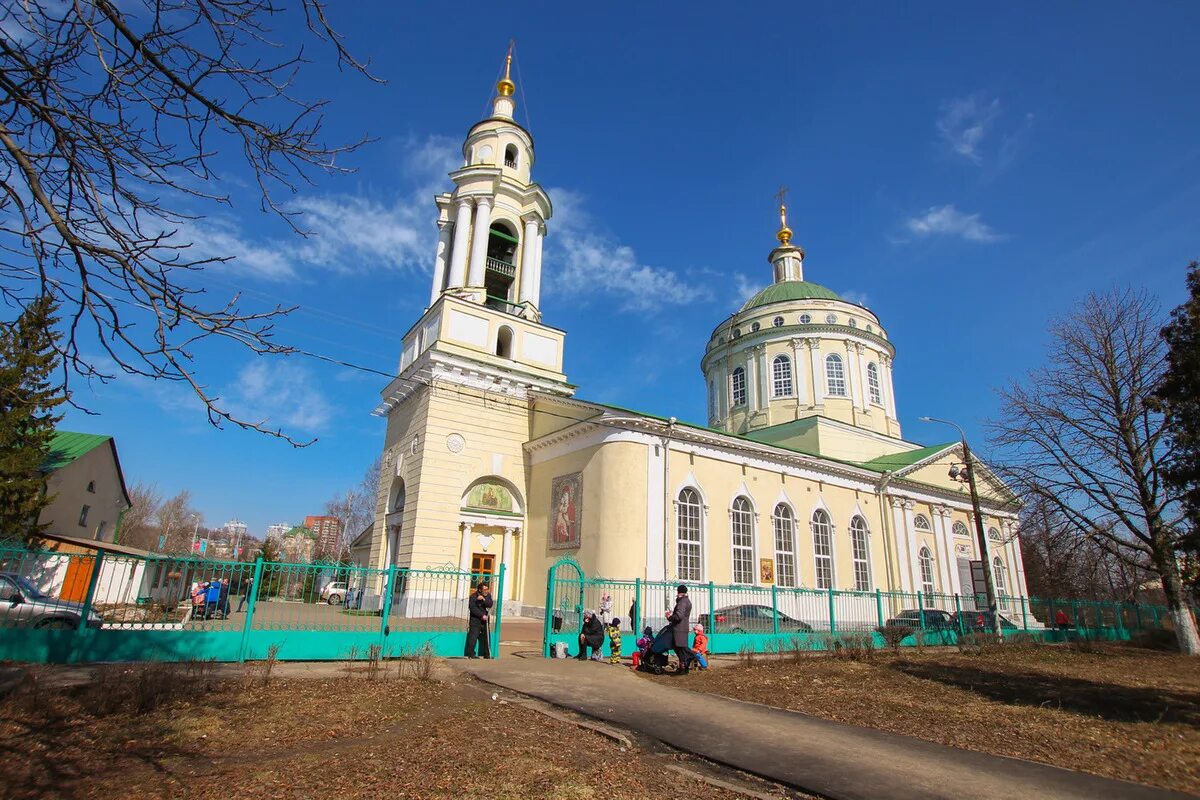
x=501, y=267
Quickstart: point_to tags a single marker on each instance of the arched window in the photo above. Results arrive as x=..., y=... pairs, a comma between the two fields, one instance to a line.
x=737, y=332
x=873, y=384
x=784, y=526
x=921, y=522
x=835, y=376
x=687, y=533
x=999, y=577
x=510, y=156
x=994, y=535
x=805, y=319
x=741, y=528
x=395, y=499
x=781, y=376
x=500, y=271
x=822, y=531
x=960, y=529
x=738, y=381
x=859, y=552
x=926, y=559
x=504, y=338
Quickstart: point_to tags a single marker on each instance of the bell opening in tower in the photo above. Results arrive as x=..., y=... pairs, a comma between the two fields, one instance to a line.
x=501, y=271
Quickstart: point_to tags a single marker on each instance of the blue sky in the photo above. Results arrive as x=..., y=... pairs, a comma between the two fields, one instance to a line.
x=965, y=172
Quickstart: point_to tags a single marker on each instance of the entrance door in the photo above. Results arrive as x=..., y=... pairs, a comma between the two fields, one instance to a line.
x=483, y=565
x=79, y=575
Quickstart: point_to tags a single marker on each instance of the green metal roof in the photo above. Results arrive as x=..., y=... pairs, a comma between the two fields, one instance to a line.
x=67, y=446
x=790, y=290
x=895, y=461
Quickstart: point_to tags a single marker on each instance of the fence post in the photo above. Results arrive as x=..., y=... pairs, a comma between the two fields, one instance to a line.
x=832, y=621
x=958, y=615
x=1137, y=616
x=774, y=609
x=255, y=584
x=549, y=615
x=712, y=607
x=879, y=606
x=1024, y=617
x=494, y=629
x=90, y=597
x=921, y=609
x=386, y=610
x=1154, y=611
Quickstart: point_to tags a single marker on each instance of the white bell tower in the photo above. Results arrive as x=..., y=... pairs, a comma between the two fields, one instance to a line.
x=492, y=224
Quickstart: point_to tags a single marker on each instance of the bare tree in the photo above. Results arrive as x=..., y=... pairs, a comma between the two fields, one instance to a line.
x=356, y=506
x=179, y=523
x=1081, y=434
x=114, y=120
x=138, y=528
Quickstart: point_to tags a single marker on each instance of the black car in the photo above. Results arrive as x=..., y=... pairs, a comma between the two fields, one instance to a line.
x=752, y=618
x=911, y=618
x=980, y=621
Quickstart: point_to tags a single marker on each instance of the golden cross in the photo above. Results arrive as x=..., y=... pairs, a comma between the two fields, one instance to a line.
x=781, y=196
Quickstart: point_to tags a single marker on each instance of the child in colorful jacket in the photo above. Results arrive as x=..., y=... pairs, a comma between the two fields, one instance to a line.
x=700, y=646
x=614, y=641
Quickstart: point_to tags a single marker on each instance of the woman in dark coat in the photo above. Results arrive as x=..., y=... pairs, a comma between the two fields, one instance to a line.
x=680, y=619
x=591, y=636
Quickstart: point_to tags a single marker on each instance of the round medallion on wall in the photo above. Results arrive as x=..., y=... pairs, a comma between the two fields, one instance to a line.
x=455, y=443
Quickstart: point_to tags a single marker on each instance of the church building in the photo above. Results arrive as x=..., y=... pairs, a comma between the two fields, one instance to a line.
x=800, y=478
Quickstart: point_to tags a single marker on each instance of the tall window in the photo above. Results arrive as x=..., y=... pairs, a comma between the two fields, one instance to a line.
x=741, y=525
x=873, y=384
x=687, y=529
x=784, y=525
x=835, y=376
x=960, y=529
x=858, y=549
x=739, y=386
x=999, y=578
x=921, y=522
x=927, y=586
x=822, y=531
x=781, y=377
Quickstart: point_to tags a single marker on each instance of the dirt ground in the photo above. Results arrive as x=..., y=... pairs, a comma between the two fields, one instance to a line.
x=150, y=732
x=1122, y=712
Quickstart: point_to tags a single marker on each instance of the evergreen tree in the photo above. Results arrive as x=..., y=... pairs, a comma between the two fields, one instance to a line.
x=28, y=397
x=1179, y=398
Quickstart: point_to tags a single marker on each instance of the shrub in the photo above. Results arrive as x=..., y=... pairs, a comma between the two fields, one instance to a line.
x=746, y=652
x=417, y=663
x=1155, y=640
x=856, y=646
x=893, y=635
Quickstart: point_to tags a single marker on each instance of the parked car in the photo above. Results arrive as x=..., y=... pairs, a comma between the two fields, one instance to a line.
x=334, y=593
x=911, y=618
x=752, y=618
x=23, y=605
x=980, y=621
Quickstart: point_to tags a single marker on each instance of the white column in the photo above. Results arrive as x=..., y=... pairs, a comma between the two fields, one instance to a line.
x=947, y=563
x=764, y=377
x=885, y=386
x=1020, y=563
x=751, y=381
x=458, y=252
x=529, y=261
x=722, y=378
x=439, y=259
x=799, y=368
x=506, y=558
x=464, y=560
x=479, y=241
x=852, y=374
x=914, y=546
x=816, y=375
x=900, y=536
x=537, y=266
x=862, y=377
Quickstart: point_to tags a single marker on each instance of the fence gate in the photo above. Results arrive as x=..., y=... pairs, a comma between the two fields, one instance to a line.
x=564, y=600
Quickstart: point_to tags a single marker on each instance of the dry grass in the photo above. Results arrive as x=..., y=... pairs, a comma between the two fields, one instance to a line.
x=358, y=737
x=1116, y=711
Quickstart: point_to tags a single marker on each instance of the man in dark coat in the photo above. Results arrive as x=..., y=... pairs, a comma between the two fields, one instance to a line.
x=477, y=630
x=591, y=635
x=680, y=619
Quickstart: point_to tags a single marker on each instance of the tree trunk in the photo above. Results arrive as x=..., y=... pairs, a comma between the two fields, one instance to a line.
x=1181, y=615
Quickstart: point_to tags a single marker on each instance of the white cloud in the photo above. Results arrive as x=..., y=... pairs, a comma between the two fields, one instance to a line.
x=280, y=393
x=965, y=122
x=580, y=261
x=855, y=296
x=743, y=289
x=949, y=221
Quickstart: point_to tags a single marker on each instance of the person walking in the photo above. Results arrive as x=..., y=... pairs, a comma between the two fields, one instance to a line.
x=477, y=629
x=680, y=619
x=605, y=608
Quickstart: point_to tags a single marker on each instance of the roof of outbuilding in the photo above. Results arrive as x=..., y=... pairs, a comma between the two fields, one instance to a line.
x=790, y=290
x=67, y=446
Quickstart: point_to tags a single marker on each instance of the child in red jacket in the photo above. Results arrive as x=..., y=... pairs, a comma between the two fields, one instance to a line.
x=700, y=646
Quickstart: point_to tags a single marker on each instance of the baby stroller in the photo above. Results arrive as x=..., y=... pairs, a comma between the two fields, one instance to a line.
x=654, y=660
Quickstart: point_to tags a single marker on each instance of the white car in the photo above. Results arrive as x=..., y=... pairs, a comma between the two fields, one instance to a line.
x=334, y=593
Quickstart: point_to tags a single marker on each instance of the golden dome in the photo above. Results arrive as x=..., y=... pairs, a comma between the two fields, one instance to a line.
x=784, y=236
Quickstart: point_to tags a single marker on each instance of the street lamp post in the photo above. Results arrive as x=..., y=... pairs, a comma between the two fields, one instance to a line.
x=195, y=531
x=980, y=535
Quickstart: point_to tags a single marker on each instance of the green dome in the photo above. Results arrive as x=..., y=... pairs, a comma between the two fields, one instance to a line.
x=789, y=290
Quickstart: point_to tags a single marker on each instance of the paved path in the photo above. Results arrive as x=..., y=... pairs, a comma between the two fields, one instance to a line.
x=844, y=762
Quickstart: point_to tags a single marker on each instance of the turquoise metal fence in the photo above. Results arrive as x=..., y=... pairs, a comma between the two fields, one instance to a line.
x=60, y=607
x=740, y=618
